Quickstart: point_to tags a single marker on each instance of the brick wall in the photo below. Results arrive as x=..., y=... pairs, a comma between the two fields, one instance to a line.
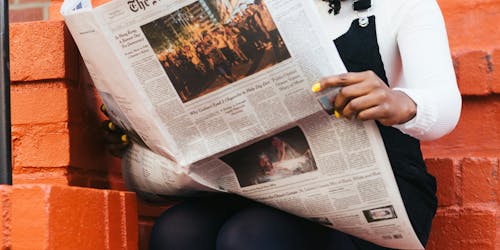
x=28, y=10
x=56, y=136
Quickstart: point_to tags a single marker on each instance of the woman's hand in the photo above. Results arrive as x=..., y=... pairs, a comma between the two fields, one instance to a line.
x=364, y=96
x=116, y=140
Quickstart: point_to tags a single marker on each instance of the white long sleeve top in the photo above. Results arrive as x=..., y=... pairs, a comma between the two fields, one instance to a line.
x=414, y=49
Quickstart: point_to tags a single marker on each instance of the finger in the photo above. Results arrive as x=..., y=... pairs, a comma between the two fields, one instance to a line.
x=343, y=79
x=379, y=112
x=348, y=93
x=104, y=110
x=356, y=105
x=113, y=138
x=116, y=150
x=109, y=126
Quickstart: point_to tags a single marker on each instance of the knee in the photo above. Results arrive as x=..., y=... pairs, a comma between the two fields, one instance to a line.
x=233, y=233
x=164, y=229
x=255, y=228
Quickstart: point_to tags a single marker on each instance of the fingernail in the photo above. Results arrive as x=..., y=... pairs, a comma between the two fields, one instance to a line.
x=343, y=76
x=111, y=126
x=337, y=114
x=124, y=138
x=316, y=87
x=103, y=108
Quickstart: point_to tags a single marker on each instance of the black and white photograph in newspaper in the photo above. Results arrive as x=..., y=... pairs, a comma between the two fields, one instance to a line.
x=210, y=44
x=380, y=213
x=280, y=156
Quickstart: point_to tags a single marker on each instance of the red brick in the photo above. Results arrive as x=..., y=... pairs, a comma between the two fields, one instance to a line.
x=41, y=146
x=148, y=209
x=495, y=61
x=463, y=230
x=145, y=227
x=88, y=141
x=478, y=180
x=114, y=217
x=5, y=216
x=26, y=15
x=79, y=212
x=54, y=176
x=41, y=51
x=59, y=217
x=448, y=5
x=39, y=103
x=446, y=176
x=473, y=73
x=33, y=1
x=471, y=25
x=130, y=222
x=477, y=132
x=54, y=11
x=29, y=217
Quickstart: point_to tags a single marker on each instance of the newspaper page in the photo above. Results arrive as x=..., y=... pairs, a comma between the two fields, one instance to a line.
x=221, y=92
x=211, y=79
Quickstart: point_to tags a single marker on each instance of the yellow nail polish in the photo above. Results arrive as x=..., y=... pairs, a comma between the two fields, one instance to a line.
x=124, y=138
x=111, y=126
x=316, y=87
x=337, y=114
x=103, y=108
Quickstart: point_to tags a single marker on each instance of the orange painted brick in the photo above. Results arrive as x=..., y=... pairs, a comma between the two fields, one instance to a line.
x=129, y=220
x=26, y=15
x=88, y=147
x=30, y=222
x=446, y=176
x=478, y=180
x=472, y=27
x=472, y=69
x=32, y=1
x=147, y=209
x=5, y=216
x=114, y=212
x=54, y=14
x=41, y=51
x=477, y=133
x=451, y=5
x=145, y=227
x=61, y=217
x=460, y=230
x=495, y=61
x=77, y=218
x=55, y=176
x=39, y=103
x=41, y=146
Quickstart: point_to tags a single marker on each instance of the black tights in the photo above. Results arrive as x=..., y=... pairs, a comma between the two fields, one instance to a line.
x=226, y=222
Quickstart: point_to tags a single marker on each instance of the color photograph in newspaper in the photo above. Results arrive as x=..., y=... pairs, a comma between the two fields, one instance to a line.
x=277, y=157
x=207, y=45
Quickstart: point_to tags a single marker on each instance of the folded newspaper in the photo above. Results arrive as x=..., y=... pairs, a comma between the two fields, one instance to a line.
x=216, y=95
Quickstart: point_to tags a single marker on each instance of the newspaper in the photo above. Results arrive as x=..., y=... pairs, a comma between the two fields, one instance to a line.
x=216, y=96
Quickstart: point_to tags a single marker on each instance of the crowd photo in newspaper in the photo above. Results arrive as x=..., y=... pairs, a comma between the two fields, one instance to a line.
x=200, y=57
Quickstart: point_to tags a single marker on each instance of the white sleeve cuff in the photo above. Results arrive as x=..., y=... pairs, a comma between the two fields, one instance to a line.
x=425, y=118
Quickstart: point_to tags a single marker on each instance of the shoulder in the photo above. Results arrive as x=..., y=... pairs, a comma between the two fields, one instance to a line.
x=404, y=9
x=405, y=13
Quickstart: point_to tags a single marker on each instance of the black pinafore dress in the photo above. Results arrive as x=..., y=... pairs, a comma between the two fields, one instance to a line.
x=359, y=50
